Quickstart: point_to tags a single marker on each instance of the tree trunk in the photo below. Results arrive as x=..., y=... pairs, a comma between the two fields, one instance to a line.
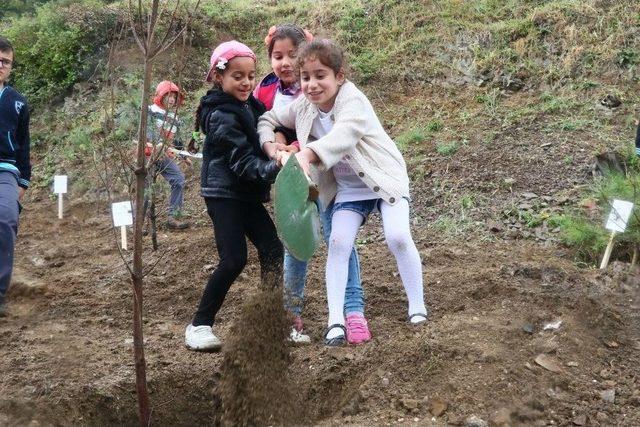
x=137, y=276
x=153, y=217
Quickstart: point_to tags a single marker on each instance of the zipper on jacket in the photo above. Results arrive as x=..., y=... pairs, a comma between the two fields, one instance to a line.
x=10, y=143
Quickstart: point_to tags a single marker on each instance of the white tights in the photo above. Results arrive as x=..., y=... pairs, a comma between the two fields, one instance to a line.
x=344, y=228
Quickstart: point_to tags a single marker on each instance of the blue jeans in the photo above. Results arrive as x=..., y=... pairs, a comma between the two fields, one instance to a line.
x=9, y=211
x=362, y=207
x=170, y=171
x=295, y=274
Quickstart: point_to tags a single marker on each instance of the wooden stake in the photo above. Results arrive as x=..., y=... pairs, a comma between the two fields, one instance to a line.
x=60, y=205
x=607, y=252
x=123, y=236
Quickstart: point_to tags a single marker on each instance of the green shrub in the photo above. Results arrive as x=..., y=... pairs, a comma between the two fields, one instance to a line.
x=627, y=57
x=414, y=136
x=447, y=148
x=58, y=46
x=587, y=238
x=434, y=125
x=586, y=234
x=18, y=7
x=418, y=134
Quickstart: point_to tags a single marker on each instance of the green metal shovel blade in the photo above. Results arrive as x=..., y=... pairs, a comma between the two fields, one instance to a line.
x=297, y=217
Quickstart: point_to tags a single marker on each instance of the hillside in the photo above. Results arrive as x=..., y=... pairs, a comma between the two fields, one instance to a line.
x=496, y=106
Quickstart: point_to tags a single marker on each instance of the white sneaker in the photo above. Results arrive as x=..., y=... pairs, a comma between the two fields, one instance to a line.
x=298, y=337
x=201, y=338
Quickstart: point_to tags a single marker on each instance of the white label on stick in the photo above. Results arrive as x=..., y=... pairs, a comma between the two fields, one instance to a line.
x=620, y=213
x=60, y=184
x=122, y=214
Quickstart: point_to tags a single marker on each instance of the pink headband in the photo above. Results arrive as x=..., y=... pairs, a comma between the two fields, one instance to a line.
x=224, y=53
x=272, y=31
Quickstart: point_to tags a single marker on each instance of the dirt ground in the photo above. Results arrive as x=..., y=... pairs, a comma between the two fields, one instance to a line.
x=484, y=356
x=66, y=346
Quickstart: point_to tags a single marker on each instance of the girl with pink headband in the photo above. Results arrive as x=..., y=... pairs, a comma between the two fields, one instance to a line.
x=235, y=181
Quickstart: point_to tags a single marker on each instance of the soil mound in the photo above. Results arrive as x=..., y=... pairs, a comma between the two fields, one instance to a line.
x=255, y=388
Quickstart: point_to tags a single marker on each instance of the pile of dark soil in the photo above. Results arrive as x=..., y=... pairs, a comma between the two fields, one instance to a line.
x=255, y=388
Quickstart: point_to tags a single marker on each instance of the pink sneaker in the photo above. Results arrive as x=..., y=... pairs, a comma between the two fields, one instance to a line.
x=357, y=329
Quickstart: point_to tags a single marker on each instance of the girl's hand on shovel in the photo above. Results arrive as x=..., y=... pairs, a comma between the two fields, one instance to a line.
x=281, y=157
x=271, y=149
x=305, y=158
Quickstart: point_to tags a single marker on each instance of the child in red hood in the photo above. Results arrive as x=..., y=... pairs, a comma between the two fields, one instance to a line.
x=163, y=132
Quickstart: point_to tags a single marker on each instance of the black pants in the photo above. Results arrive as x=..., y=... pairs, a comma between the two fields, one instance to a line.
x=232, y=221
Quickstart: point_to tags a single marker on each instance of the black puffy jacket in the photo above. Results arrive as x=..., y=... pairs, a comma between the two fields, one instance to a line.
x=233, y=164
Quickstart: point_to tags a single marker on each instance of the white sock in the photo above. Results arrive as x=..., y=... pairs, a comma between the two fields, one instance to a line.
x=344, y=228
x=395, y=220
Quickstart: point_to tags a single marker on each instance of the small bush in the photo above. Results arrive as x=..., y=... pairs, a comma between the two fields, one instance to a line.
x=419, y=134
x=586, y=233
x=447, y=148
x=627, y=57
x=414, y=136
x=58, y=46
x=434, y=125
x=587, y=238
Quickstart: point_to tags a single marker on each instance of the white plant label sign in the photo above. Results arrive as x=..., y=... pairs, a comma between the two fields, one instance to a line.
x=60, y=184
x=619, y=215
x=122, y=214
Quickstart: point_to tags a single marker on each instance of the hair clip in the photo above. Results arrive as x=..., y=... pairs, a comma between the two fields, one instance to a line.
x=272, y=31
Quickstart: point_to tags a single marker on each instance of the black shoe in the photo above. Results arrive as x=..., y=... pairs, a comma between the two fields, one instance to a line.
x=338, y=341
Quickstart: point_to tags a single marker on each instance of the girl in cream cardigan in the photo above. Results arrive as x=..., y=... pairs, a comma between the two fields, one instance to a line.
x=356, y=165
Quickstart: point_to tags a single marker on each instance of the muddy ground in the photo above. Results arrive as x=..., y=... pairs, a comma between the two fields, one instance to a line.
x=66, y=345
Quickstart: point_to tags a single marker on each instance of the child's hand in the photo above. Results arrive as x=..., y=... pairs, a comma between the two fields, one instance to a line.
x=271, y=149
x=291, y=149
x=187, y=161
x=281, y=158
x=305, y=158
x=304, y=163
x=637, y=122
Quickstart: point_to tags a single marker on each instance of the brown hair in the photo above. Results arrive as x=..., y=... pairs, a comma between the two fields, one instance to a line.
x=324, y=50
x=287, y=31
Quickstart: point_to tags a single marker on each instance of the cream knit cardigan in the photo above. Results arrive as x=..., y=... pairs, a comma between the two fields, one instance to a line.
x=357, y=137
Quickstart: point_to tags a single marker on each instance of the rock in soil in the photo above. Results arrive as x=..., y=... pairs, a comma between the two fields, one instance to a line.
x=437, y=407
x=475, y=421
x=549, y=363
x=608, y=396
x=580, y=420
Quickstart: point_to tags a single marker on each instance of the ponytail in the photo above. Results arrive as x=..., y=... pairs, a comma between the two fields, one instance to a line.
x=197, y=118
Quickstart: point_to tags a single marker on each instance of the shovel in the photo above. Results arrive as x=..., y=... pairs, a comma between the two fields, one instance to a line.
x=296, y=214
